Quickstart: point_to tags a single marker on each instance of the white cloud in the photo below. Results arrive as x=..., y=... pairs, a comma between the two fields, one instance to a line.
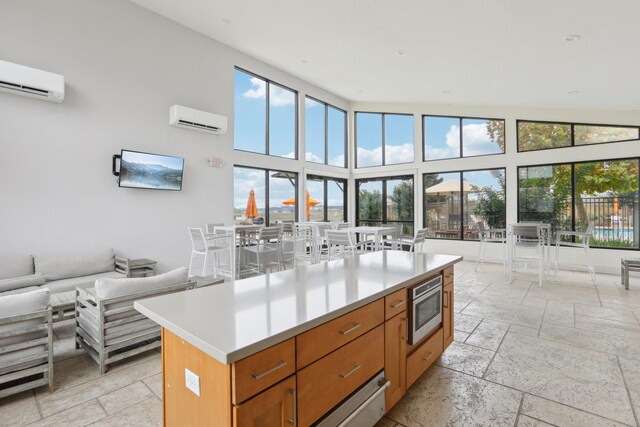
x=477, y=141
x=394, y=154
x=278, y=97
x=399, y=153
x=310, y=157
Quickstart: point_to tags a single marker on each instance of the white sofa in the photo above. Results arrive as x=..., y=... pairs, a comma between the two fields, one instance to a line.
x=56, y=273
x=26, y=341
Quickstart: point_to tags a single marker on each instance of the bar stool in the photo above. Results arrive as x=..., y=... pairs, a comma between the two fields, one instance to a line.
x=582, y=239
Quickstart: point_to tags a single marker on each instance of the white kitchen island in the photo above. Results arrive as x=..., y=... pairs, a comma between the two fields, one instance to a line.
x=254, y=344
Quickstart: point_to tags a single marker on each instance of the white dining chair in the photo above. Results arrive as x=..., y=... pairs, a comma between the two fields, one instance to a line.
x=342, y=243
x=298, y=247
x=413, y=245
x=211, y=247
x=582, y=240
x=265, y=247
x=490, y=235
x=528, y=237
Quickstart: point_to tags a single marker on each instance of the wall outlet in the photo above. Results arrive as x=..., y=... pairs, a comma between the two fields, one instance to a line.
x=192, y=381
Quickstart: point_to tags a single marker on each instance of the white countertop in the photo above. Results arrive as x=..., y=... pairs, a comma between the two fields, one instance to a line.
x=234, y=320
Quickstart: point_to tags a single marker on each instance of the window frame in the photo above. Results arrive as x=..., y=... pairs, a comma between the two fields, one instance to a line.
x=383, y=146
x=345, y=148
x=384, y=180
x=325, y=183
x=573, y=134
x=461, y=174
x=460, y=119
x=573, y=213
x=267, y=202
x=296, y=107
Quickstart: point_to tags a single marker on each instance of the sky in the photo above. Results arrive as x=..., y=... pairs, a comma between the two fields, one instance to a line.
x=442, y=138
x=153, y=159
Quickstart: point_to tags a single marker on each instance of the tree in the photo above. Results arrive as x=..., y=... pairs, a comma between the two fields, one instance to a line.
x=370, y=205
x=491, y=205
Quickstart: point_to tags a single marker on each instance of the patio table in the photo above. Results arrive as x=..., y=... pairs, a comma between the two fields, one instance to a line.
x=377, y=232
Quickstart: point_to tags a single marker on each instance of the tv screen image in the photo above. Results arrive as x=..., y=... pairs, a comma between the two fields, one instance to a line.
x=145, y=170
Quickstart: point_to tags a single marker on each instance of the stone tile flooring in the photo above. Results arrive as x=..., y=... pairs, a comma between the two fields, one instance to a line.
x=566, y=354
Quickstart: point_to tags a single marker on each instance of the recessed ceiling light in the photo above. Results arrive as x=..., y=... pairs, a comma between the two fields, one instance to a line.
x=304, y=61
x=401, y=52
x=360, y=91
x=226, y=21
x=573, y=92
x=572, y=38
x=446, y=92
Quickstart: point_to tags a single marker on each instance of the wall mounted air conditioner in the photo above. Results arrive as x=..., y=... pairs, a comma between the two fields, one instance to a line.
x=189, y=118
x=26, y=81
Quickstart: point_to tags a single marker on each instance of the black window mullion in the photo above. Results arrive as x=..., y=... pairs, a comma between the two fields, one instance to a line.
x=384, y=200
x=266, y=98
x=326, y=201
x=573, y=195
x=461, y=230
x=384, y=160
x=267, y=197
x=326, y=134
x=461, y=145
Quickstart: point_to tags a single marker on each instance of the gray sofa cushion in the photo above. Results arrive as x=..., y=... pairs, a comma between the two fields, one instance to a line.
x=16, y=267
x=64, y=267
x=24, y=303
x=110, y=288
x=21, y=282
x=84, y=281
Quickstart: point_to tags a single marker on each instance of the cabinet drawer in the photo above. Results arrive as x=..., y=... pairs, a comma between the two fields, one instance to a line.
x=448, y=275
x=395, y=303
x=275, y=407
x=261, y=370
x=323, y=384
x=423, y=357
x=320, y=341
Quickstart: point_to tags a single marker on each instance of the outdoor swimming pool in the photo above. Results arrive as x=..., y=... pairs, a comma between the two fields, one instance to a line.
x=613, y=234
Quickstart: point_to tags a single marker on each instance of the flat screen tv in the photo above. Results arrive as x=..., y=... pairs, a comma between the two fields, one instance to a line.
x=153, y=171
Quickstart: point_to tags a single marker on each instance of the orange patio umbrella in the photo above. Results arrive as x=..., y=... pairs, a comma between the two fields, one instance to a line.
x=310, y=202
x=252, y=208
x=615, y=205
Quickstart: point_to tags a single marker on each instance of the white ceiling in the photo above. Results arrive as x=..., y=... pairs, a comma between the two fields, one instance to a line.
x=465, y=52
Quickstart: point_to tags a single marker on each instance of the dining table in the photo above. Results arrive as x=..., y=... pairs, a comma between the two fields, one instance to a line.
x=376, y=231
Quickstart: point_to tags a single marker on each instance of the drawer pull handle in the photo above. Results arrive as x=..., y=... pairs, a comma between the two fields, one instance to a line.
x=428, y=357
x=398, y=304
x=282, y=364
x=355, y=368
x=351, y=329
x=294, y=415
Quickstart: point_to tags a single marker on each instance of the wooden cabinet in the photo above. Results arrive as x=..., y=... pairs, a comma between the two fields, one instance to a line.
x=325, y=383
x=395, y=303
x=261, y=370
x=320, y=341
x=275, y=407
x=423, y=356
x=447, y=314
x=395, y=358
x=447, y=275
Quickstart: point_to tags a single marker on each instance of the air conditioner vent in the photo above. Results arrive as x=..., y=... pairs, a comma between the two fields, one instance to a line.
x=20, y=80
x=189, y=118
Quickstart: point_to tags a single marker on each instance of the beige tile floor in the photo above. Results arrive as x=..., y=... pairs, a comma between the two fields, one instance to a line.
x=566, y=354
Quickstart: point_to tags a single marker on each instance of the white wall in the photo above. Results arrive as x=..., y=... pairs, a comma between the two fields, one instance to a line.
x=124, y=67
x=605, y=259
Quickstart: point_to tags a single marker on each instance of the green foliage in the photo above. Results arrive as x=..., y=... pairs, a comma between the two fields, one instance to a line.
x=401, y=202
x=491, y=207
x=538, y=136
x=370, y=204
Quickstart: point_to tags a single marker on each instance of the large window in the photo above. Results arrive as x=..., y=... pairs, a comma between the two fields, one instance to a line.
x=453, y=137
x=534, y=135
x=274, y=193
x=326, y=133
x=570, y=196
x=386, y=201
x=455, y=202
x=327, y=198
x=383, y=139
x=265, y=116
